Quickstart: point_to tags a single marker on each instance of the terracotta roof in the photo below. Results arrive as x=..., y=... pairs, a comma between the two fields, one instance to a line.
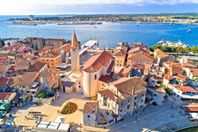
x=181, y=77
x=45, y=49
x=191, y=107
x=141, y=57
x=108, y=93
x=3, y=58
x=4, y=68
x=50, y=55
x=5, y=95
x=124, y=72
x=37, y=66
x=26, y=79
x=106, y=78
x=160, y=90
x=160, y=53
x=188, y=65
x=130, y=85
x=97, y=61
x=186, y=89
x=194, y=72
x=137, y=49
x=22, y=64
x=90, y=107
x=176, y=70
x=4, y=81
x=120, y=53
x=67, y=47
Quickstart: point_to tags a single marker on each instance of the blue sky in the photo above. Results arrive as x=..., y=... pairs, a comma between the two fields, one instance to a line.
x=45, y=7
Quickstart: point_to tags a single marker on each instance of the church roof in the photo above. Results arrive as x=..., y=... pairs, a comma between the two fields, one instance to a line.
x=97, y=61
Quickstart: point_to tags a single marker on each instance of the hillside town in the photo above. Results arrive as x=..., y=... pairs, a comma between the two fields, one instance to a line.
x=63, y=85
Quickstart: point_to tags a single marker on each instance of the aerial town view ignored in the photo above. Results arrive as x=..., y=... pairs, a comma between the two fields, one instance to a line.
x=99, y=66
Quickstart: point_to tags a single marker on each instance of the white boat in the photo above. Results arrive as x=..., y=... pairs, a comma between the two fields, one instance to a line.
x=189, y=31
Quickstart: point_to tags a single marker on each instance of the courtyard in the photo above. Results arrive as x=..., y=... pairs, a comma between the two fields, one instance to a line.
x=22, y=116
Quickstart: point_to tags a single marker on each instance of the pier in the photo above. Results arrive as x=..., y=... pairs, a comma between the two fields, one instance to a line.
x=87, y=45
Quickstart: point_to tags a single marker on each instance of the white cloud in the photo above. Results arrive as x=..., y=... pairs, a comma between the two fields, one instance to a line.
x=77, y=2
x=23, y=6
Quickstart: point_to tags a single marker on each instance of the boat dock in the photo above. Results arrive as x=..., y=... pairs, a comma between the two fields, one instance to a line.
x=87, y=45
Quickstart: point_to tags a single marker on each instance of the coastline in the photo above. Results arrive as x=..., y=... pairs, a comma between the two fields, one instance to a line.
x=34, y=23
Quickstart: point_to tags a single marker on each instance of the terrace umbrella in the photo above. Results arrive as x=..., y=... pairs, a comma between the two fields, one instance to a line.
x=4, y=107
x=2, y=114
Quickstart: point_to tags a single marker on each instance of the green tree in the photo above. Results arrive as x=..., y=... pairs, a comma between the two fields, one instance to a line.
x=194, y=49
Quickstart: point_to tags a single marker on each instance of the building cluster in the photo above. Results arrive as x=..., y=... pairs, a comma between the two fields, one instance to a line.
x=172, y=44
x=119, y=82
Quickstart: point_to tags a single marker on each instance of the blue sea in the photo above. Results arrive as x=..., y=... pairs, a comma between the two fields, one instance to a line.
x=108, y=34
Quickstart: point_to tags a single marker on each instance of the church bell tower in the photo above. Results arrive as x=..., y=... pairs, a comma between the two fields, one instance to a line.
x=75, y=57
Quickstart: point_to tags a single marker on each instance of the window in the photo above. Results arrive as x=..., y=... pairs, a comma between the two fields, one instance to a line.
x=95, y=77
x=128, y=106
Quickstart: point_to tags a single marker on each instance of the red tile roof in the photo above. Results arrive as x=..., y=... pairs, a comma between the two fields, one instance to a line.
x=37, y=66
x=186, y=89
x=106, y=78
x=90, y=107
x=140, y=57
x=26, y=79
x=4, y=81
x=181, y=77
x=130, y=85
x=194, y=72
x=125, y=71
x=120, y=53
x=5, y=95
x=137, y=49
x=191, y=107
x=188, y=65
x=108, y=93
x=97, y=61
x=4, y=68
x=176, y=70
x=160, y=90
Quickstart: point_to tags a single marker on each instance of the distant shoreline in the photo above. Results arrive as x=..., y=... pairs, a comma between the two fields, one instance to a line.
x=95, y=19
